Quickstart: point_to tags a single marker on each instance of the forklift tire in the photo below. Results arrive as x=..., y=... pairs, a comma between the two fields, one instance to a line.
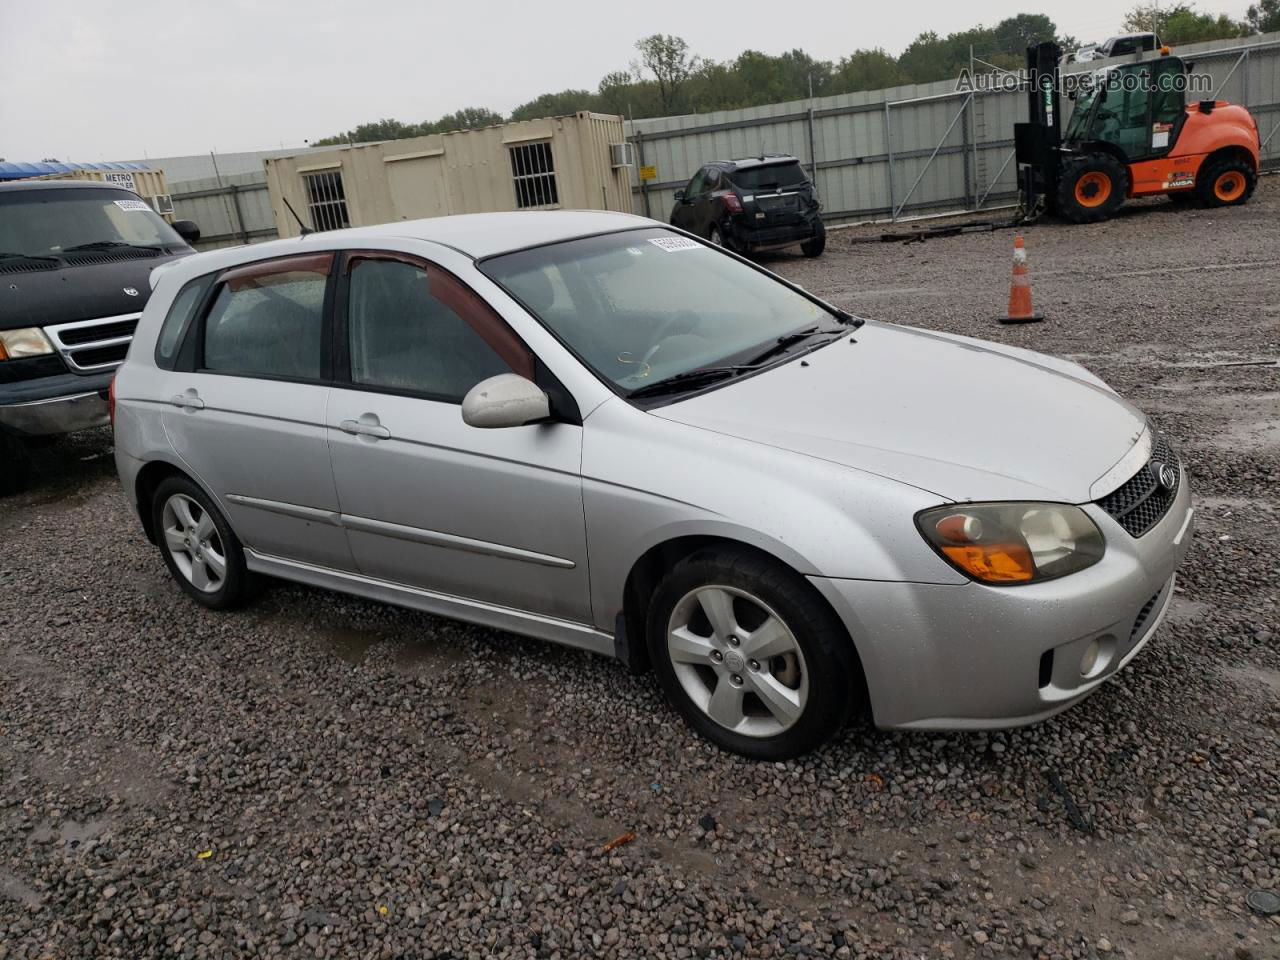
x=1225, y=183
x=1091, y=188
x=15, y=465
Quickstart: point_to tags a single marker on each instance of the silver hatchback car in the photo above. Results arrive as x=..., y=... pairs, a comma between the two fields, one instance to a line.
x=600, y=431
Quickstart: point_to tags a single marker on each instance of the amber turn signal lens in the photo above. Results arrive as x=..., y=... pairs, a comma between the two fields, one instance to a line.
x=993, y=562
x=4, y=354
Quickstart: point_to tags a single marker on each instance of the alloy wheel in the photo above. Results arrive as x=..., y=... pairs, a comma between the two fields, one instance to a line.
x=738, y=661
x=193, y=541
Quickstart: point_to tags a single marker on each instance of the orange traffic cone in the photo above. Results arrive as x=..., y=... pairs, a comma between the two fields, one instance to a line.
x=1020, y=310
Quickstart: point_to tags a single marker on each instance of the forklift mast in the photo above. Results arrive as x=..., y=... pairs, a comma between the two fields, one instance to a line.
x=1037, y=142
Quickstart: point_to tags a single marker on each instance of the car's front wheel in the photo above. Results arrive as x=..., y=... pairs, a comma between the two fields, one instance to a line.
x=750, y=656
x=198, y=545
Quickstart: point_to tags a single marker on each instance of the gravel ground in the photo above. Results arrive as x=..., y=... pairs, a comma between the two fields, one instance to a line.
x=318, y=776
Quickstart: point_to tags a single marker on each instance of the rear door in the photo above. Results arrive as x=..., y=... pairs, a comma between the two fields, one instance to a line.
x=245, y=406
x=493, y=516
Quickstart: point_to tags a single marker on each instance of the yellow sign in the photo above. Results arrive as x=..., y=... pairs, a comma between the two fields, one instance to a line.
x=648, y=173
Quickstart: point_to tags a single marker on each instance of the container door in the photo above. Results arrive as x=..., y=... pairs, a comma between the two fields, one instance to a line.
x=418, y=187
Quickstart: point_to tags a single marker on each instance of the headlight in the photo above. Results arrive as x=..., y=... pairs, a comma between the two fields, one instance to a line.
x=27, y=342
x=1013, y=542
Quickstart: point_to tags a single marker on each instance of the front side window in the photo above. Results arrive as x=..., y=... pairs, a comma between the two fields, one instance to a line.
x=327, y=200
x=644, y=305
x=533, y=171
x=267, y=320
x=410, y=329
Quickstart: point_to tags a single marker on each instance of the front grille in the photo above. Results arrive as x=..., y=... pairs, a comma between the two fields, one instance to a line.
x=1140, y=502
x=93, y=346
x=75, y=336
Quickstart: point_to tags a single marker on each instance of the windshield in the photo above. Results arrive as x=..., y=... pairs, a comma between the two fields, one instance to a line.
x=646, y=305
x=1079, y=123
x=769, y=177
x=51, y=222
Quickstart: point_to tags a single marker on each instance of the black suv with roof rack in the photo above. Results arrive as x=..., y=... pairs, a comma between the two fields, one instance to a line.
x=75, y=264
x=760, y=203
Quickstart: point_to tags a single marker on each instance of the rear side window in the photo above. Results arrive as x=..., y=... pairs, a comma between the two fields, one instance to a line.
x=769, y=177
x=181, y=312
x=416, y=329
x=267, y=320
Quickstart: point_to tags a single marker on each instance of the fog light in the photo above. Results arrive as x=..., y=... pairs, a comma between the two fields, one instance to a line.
x=1090, y=658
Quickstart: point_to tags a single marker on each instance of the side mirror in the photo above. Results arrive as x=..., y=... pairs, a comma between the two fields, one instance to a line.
x=507, y=400
x=187, y=230
x=680, y=196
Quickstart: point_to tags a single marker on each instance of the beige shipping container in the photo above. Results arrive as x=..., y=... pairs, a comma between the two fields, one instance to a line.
x=577, y=162
x=148, y=184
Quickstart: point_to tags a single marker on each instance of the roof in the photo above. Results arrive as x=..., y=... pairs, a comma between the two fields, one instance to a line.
x=16, y=171
x=478, y=235
x=766, y=160
x=15, y=185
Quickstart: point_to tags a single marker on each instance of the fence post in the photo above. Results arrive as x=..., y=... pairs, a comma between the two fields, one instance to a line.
x=644, y=184
x=235, y=202
x=967, y=110
x=888, y=144
x=813, y=159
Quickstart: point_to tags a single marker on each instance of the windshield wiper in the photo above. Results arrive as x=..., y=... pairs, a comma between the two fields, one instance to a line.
x=689, y=378
x=787, y=341
x=109, y=245
x=25, y=256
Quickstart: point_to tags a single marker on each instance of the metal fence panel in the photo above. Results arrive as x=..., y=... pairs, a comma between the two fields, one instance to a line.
x=917, y=156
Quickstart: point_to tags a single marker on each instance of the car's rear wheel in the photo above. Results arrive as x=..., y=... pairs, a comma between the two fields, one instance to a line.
x=198, y=545
x=15, y=465
x=815, y=246
x=716, y=235
x=750, y=656
x=1225, y=183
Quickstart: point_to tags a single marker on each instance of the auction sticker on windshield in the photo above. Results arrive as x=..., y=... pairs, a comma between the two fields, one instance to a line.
x=672, y=244
x=132, y=205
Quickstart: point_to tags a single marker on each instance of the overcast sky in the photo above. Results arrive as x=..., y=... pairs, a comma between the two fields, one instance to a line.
x=105, y=81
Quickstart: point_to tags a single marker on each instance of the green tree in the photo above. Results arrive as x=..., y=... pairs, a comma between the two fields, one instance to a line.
x=468, y=118
x=555, y=105
x=1182, y=23
x=866, y=70
x=1264, y=16
x=671, y=64
x=1015, y=34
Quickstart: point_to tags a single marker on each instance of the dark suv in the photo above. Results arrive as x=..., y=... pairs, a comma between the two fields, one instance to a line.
x=75, y=265
x=762, y=203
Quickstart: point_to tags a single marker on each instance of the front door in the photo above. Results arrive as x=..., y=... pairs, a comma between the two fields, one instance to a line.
x=489, y=515
x=246, y=407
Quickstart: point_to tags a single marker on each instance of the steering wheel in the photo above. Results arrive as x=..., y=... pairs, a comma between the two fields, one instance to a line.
x=686, y=320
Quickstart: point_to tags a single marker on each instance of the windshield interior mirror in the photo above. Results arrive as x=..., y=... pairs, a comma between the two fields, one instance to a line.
x=187, y=230
x=507, y=400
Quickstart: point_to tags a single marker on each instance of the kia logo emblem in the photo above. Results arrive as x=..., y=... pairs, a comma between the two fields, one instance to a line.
x=1164, y=474
x=131, y=291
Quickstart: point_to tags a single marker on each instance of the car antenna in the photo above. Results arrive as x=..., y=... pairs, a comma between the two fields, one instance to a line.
x=302, y=226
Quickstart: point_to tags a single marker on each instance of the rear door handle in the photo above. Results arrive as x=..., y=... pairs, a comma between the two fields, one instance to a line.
x=190, y=400
x=363, y=428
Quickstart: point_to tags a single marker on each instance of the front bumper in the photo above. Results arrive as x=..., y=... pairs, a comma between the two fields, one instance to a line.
x=955, y=657
x=55, y=405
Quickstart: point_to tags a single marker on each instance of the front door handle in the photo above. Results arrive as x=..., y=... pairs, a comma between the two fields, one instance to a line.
x=366, y=426
x=189, y=400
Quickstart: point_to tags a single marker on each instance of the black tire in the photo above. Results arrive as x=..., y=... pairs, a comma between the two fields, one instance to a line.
x=15, y=465
x=716, y=236
x=833, y=676
x=236, y=583
x=815, y=246
x=1216, y=174
x=1091, y=188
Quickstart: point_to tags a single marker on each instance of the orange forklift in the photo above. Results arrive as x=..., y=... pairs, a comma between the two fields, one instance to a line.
x=1131, y=134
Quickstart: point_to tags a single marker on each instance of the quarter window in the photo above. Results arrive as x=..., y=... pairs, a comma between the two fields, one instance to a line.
x=176, y=322
x=327, y=200
x=416, y=329
x=534, y=173
x=267, y=320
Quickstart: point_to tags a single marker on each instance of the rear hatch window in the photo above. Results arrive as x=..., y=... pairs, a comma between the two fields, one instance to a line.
x=769, y=177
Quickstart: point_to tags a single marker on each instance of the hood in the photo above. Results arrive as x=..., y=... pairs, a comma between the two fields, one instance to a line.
x=960, y=418
x=40, y=298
